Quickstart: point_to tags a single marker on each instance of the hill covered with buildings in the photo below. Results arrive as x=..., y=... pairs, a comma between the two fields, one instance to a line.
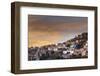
x=76, y=47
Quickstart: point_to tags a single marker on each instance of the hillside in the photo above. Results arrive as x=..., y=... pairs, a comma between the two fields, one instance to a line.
x=70, y=49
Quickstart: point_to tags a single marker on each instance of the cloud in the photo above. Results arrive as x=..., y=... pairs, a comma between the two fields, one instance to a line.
x=52, y=29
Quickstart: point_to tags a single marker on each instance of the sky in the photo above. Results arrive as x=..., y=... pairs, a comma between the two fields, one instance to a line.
x=46, y=29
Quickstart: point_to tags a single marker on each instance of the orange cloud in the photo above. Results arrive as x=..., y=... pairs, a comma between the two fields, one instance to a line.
x=37, y=38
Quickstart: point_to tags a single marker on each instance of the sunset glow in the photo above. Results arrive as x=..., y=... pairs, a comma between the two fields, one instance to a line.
x=45, y=30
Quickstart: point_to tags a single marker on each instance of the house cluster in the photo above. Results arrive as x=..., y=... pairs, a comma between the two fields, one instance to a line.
x=71, y=49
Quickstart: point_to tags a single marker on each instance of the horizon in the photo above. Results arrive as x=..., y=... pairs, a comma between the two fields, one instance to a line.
x=55, y=43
